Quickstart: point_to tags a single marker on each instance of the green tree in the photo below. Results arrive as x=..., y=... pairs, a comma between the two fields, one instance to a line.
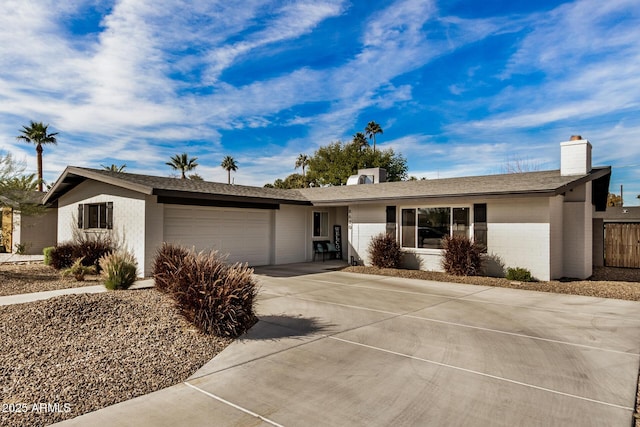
x=360, y=140
x=294, y=180
x=229, y=164
x=195, y=177
x=183, y=163
x=302, y=162
x=614, y=200
x=17, y=191
x=114, y=167
x=371, y=130
x=38, y=133
x=334, y=163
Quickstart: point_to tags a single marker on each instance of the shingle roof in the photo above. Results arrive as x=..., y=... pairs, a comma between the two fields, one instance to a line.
x=165, y=186
x=530, y=183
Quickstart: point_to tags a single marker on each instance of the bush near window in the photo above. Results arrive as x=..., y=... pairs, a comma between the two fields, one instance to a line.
x=166, y=264
x=519, y=274
x=88, y=247
x=384, y=251
x=218, y=298
x=461, y=256
x=118, y=269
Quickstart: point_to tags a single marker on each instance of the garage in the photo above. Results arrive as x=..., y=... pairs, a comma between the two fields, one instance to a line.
x=245, y=234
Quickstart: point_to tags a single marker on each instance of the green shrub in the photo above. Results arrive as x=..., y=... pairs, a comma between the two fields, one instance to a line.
x=384, y=251
x=118, y=269
x=519, y=274
x=47, y=254
x=218, y=298
x=461, y=256
x=78, y=270
x=166, y=264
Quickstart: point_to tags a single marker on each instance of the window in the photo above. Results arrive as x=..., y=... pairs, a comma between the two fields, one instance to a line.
x=480, y=224
x=426, y=227
x=95, y=215
x=321, y=224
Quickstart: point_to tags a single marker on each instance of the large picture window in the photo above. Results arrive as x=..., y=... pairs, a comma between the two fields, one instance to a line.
x=95, y=215
x=321, y=224
x=426, y=227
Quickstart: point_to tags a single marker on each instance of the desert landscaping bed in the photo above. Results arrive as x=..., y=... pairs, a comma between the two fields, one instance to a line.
x=74, y=354
x=606, y=282
x=36, y=277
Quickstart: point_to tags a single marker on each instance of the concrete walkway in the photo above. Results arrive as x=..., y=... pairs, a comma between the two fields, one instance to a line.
x=10, y=258
x=36, y=296
x=334, y=348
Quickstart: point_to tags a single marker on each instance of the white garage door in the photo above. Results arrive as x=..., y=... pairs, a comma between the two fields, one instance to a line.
x=242, y=233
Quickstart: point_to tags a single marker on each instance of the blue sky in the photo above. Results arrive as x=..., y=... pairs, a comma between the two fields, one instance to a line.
x=459, y=87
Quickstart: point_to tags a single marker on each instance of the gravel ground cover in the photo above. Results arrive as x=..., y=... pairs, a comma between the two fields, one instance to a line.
x=74, y=354
x=36, y=277
x=606, y=282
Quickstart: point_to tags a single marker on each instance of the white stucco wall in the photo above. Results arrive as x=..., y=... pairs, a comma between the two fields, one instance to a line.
x=128, y=215
x=519, y=234
x=365, y=222
x=154, y=231
x=292, y=231
x=578, y=233
x=556, y=253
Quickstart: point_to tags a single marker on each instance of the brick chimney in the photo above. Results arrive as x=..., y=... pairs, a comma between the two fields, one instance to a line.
x=575, y=156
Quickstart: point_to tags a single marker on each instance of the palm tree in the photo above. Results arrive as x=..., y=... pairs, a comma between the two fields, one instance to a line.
x=37, y=133
x=229, y=164
x=371, y=130
x=360, y=140
x=114, y=167
x=183, y=163
x=302, y=161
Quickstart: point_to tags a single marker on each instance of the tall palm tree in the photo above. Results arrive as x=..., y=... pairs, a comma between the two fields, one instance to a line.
x=371, y=130
x=302, y=162
x=229, y=164
x=360, y=140
x=37, y=133
x=114, y=167
x=183, y=163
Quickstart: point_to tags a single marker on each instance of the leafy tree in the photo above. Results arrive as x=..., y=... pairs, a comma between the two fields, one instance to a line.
x=294, y=180
x=360, y=140
x=302, y=161
x=371, y=130
x=114, y=167
x=17, y=190
x=195, y=177
x=38, y=133
x=183, y=163
x=229, y=164
x=334, y=163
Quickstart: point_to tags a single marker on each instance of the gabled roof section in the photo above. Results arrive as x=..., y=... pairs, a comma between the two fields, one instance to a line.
x=175, y=190
x=547, y=183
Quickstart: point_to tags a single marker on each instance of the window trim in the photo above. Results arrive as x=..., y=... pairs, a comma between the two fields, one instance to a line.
x=416, y=209
x=313, y=228
x=84, y=216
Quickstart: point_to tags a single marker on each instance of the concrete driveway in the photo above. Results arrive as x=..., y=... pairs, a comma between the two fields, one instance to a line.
x=339, y=349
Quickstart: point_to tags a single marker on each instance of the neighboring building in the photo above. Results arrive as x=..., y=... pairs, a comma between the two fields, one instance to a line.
x=33, y=233
x=538, y=220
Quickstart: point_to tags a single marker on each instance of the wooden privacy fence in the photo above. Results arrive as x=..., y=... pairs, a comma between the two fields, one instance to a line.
x=622, y=245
